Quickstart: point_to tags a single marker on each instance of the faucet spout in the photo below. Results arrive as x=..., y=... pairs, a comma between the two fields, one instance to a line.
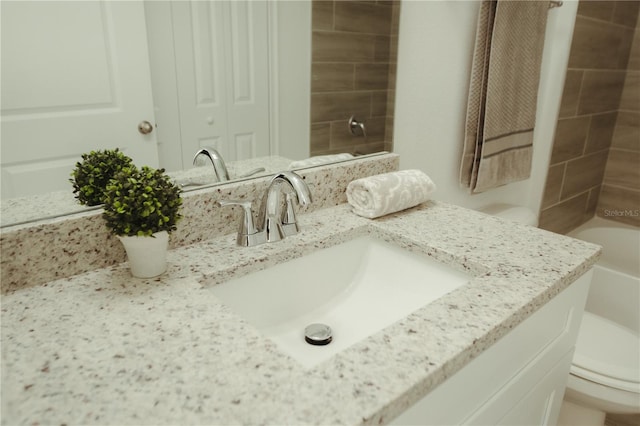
x=278, y=225
x=216, y=160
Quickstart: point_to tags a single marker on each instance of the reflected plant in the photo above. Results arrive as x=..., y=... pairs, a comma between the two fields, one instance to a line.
x=91, y=175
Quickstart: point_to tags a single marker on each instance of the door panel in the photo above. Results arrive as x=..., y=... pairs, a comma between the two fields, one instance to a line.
x=75, y=77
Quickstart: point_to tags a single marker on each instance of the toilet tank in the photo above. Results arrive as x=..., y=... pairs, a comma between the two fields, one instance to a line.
x=520, y=214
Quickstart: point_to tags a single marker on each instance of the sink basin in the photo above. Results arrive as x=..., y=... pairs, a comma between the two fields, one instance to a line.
x=357, y=288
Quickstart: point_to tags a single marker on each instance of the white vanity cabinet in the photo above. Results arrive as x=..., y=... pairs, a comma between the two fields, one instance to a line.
x=519, y=380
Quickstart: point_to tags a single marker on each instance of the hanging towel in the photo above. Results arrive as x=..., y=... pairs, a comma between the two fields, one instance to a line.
x=378, y=195
x=501, y=108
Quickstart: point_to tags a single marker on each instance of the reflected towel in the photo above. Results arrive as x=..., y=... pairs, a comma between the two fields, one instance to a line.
x=386, y=193
x=319, y=160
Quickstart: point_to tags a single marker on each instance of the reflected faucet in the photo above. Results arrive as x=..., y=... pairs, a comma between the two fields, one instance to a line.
x=276, y=219
x=216, y=160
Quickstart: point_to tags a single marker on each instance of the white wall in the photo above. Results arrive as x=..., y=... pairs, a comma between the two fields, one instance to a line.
x=434, y=62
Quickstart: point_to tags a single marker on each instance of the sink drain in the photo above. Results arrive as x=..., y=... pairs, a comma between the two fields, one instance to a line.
x=318, y=334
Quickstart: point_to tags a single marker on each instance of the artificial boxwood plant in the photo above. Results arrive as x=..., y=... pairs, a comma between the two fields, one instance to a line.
x=141, y=202
x=91, y=175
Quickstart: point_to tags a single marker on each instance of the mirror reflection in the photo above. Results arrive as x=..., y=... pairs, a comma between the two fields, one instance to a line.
x=268, y=85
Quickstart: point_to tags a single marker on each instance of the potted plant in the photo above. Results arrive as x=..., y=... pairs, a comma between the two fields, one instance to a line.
x=141, y=207
x=91, y=175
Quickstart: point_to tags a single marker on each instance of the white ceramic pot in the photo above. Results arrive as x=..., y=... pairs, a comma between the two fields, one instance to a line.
x=147, y=255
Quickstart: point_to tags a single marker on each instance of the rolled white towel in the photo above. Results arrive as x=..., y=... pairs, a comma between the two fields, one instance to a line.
x=386, y=193
x=319, y=160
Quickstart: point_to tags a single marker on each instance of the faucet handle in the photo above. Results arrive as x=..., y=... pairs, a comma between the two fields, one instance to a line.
x=247, y=233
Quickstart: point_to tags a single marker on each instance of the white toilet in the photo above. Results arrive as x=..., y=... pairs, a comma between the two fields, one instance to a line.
x=605, y=373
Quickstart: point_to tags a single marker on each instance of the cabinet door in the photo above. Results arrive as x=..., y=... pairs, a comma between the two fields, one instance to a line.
x=75, y=77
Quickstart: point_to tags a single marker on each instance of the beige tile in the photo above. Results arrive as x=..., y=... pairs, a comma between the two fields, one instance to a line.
x=595, y=45
x=355, y=16
x=602, y=9
x=630, y=100
x=382, y=49
x=601, y=131
x=565, y=216
x=623, y=169
x=626, y=13
x=619, y=204
x=379, y=103
x=320, y=134
x=322, y=15
x=571, y=93
x=372, y=76
x=553, y=185
x=601, y=91
x=634, y=54
x=569, y=141
x=624, y=48
x=627, y=131
x=339, y=106
x=583, y=174
x=342, y=47
x=392, y=76
x=388, y=131
x=332, y=77
x=391, y=103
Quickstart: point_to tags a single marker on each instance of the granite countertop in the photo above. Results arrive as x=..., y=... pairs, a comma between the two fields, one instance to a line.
x=104, y=348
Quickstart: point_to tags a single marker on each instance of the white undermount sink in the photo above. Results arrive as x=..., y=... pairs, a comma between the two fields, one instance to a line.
x=357, y=288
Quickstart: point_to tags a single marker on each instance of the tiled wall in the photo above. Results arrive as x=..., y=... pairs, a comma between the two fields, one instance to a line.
x=594, y=116
x=353, y=66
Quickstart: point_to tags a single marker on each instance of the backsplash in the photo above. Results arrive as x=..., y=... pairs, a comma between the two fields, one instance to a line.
x=40, y=252
x=597, y=143
x=353, y=69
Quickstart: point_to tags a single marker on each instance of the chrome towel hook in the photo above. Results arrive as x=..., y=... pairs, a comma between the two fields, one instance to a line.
x=354, y=124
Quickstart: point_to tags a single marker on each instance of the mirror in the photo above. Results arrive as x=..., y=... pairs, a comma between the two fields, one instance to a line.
x=350, y=72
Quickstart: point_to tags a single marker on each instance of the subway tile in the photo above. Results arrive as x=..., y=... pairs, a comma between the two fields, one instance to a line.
x=634, y=54
x=339, y=106
x=565, y=216
x=602, y=9
x=626, y=13
x=553, y=185
x=322, y=15
x=596, y=45
x=372, y=76
x=623, y=169
x=619, y=204
x=601, y=91
x=382, y=49
x=627, y=131
x=355, y=16
x=320, y=134
x=583, y=174
x=571, y=93
x=630, y=99
x=570, y=137
x=601, y=132
x=331, y=77
x=379, y=103
x=342, y=47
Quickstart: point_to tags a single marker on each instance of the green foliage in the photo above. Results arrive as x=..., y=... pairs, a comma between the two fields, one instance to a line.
x=141, y=202
x=91, y=176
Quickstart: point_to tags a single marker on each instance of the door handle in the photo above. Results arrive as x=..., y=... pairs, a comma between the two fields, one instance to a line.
x=145, y=127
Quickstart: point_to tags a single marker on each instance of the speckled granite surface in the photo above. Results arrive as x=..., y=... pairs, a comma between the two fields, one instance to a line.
x=103, y=348
x=34, y=254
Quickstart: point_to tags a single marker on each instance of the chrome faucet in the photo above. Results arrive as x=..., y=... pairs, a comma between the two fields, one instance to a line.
x=274, y=221
x=216, y=160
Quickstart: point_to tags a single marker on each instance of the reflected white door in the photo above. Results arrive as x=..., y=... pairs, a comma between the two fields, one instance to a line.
x=75, y=77
x=221, y=57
